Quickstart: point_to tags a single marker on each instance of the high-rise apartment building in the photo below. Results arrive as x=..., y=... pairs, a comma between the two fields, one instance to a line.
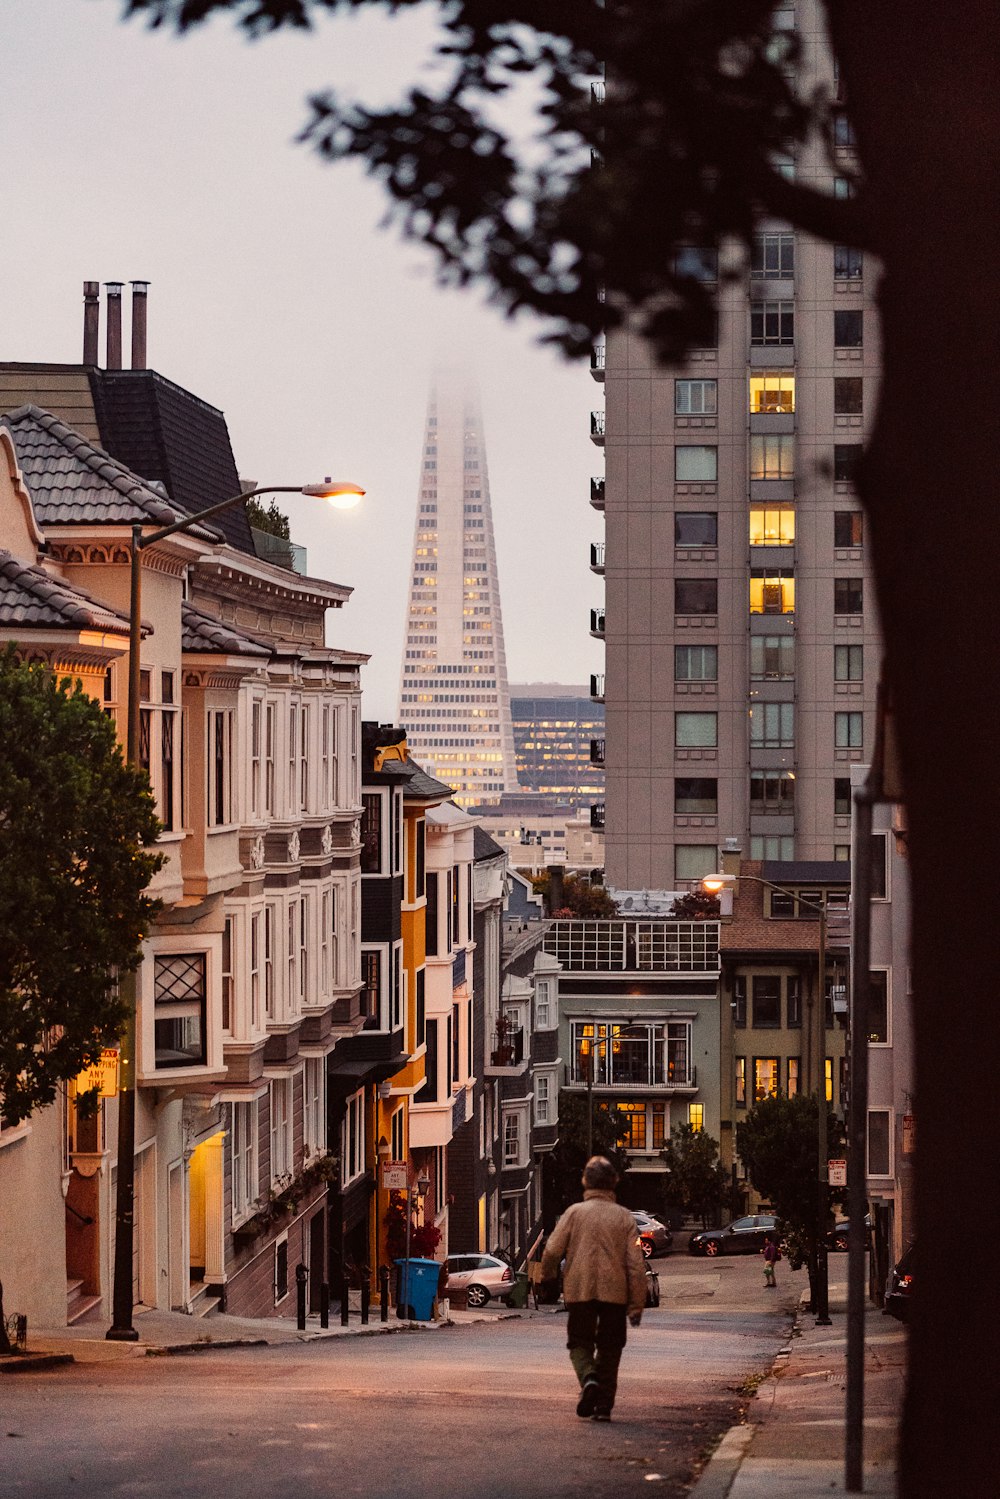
x=454, y=698
x=559, y=741
x=742, y=644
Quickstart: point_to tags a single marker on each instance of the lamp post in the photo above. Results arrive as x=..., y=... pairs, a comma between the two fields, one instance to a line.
x=343, y=496
x=713, y=884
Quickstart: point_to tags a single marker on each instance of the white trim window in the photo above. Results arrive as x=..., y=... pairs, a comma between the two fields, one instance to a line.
x=281, y=1127
x=314, y=1106
x=256, y=755
x=396, y=1134
x=325, y=939
x=515, y=1136
x=352, y=1139
x=291, y=959
x=219, y=763
x=333, y=781
x=270, y=732
x=544, y=1098
x=228, y=974
x=305, y=912
x=255, y=974
x=243, y=1154
x=334, y=936
x=304, y=760
x=880, y=1143
x=543, y=1005
x=355, y=763
x=269, y=926
x=292, y=800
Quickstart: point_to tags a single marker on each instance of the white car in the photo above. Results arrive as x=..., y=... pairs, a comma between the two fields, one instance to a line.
x=483, y=1277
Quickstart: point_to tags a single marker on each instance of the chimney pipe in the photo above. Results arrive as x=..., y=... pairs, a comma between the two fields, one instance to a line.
x=91, y=320
x=139, y=304
x=114, y=291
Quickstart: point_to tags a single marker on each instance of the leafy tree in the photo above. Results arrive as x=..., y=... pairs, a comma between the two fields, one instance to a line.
x=697, y=905
x=565, y=1162
x=704, y=99
x=424, y=1237
x=580, y=897
x=696, y=1179
x=75, y=822
x=268, y=518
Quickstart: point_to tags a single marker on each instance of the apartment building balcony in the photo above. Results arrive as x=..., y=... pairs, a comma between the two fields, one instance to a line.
x=619, y=945
x=597, y=493
x=597, y=686
x=597, y=428
x=597, y=358
x=630, y=1079
x=597, y=557
x=597, y=815
x=597, y=752
x=509, y=1055
x=597, y=623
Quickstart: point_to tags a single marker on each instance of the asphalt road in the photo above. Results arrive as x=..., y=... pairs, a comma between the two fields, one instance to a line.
x=476, y=1412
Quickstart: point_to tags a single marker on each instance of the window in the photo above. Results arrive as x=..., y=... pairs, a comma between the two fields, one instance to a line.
x=772, y=393
x=843, y=132
x=772, y=525
x=421, y=1007
x=848, y=528
x=679, y=1051
x=429, y=1091
x=398, y=988
x=766, y=1001
x=456, y=904
x=696, y=663
x=848, y=263
x=179, y=995
x=352, y=1139
x=304, y=760
x=543, y=1098
x=169, y=724
x=772, y=657
x=291, y=956
x=879, y=1143
x=371, y=979
x=281, y=1127
x=243, y=1156
x=848, y=328
x=828, y=1077
x=842, y=796
x=771, y=592
x=846, y=456
x=220, y=752
x=293, y=753
x=772, y=322
x=879, y=876
x=280, y=1269
x=848, y=596
x=793, y=1001
x=256, y=755
x=269, y=962
x=255, y=974
x=768, y=846
x=693, y=795
x=772, y=791
x=878, y=1008
x=848, y=730
x=696, y=465
x=269, y=733
x=371, y=833
x=842, y=853
x=696, y=730
x=634, y=1115
x=512, y=1139
x=696, y=1115
x=843, y=187
x=766, y=1078
x=693, y=861
x=432, y=915
x=696, y=529
x=847, y=395
x=696, y=596
x=543, y=1004
x=227, y=974
x=397, y=1135
x=314, y=1106
x=420, y=859
x=773, y=256
x=792, y=1073
x=848, y=663
x=697, y=263
x=739, y=1003
x=695, y=397
x=772, y=455
x=772, y=725
x=741, y=1082
x=305, y=906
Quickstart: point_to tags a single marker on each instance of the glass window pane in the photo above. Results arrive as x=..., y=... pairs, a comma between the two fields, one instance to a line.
x=698, y=465
x=696, y=528
x=696, y=730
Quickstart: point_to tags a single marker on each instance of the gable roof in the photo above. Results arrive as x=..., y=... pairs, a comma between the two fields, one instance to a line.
x=31, y=597
x=485, y=847
x=202, y=634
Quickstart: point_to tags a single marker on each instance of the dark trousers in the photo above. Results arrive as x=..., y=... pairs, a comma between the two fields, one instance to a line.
x=595, y=1337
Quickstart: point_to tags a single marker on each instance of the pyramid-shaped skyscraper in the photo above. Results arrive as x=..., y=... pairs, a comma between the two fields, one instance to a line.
x=454, y=699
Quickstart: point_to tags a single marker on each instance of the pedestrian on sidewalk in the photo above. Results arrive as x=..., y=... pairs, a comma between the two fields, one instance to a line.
x=772, y=1254
x=604, y=1284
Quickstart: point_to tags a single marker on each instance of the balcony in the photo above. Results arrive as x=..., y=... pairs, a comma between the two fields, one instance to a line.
x=597, y=623
x=597, y=815
x=597, y=92
x=677, y=1078
x=597, y=752
x=509, y=1048
x=597, y=357
x=597, y=557
x=655, y=945
x=597, y=686
x=597, y=493
x=597, y=428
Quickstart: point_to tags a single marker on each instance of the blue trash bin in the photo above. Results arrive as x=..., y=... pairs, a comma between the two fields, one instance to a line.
x=416, y=1288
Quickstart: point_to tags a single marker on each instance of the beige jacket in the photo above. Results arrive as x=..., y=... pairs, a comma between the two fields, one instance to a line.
x=601, y=1247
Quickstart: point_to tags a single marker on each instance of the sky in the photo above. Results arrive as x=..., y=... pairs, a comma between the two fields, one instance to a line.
x=278, y=295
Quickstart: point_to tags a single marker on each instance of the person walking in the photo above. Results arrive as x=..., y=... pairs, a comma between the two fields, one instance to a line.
x=772, y=1254
x=604, y=1284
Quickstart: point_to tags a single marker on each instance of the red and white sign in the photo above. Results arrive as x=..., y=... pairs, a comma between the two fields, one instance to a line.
x=909, y=1134
x=837, y=1173
x=394, y=1176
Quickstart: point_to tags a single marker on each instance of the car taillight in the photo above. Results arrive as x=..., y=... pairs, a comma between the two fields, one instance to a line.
x=905, y=1282
x=507, y=1275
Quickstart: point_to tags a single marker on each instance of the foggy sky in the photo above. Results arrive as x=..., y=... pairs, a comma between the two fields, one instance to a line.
x=276, y=296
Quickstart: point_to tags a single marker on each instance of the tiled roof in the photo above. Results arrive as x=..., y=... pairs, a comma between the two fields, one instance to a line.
x=73, y=483
x=751, y=931
x=200, y=633
x=484, y=846
x=32, y=598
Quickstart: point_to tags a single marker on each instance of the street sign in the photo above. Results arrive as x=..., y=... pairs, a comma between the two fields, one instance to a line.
x=909, y=1134
x=837, y=1173
x=102, y=1075
x=394, y=1176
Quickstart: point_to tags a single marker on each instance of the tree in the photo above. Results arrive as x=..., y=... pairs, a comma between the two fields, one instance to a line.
x=580, y=897
x=697, y=905
x=75, y=822
x=696, y=1179
x=705, y=97
x=565, y=1161
x=268, y=518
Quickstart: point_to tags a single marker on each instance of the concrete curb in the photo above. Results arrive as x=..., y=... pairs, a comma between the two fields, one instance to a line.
x=720, y=1472
x=24, y=1363
x=205, y=1346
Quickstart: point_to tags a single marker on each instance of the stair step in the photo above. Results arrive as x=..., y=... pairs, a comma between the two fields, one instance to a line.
x=206, y=1305
x=78, y=1308
x=73, y=1288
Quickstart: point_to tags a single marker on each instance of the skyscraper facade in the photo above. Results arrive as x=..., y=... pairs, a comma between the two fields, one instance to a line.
x=742, y=644
x=454, y=699
x=559, y=740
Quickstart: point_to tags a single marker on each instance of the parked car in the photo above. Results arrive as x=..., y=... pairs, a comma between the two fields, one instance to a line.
x=900, y=1293
x=742, y=1236
x=837, y=1237
x=482, y=1277
x=654, y=1236
x=652, y=1287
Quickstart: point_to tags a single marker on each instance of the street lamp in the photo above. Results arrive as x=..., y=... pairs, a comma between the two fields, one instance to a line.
x=713, y=884
x=342, y=495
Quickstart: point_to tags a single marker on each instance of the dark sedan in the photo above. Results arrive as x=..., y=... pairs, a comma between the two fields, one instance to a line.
x=743, y=1236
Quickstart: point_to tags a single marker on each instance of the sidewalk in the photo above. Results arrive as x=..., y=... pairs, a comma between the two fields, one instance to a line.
x=792, y=1446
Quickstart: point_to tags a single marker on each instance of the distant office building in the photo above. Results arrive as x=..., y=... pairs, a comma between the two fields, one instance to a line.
x=454, y=698
x=559, y=740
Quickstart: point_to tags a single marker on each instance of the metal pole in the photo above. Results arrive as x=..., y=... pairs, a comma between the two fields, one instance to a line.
x=822, y=1308
x=404, y=1299
x=856, y=1145
x=590, y=1095
x=383, y=1293
x=301, y=1277
x=324, y=1304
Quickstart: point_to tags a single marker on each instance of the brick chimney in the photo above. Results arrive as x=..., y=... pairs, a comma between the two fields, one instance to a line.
x=114, y=292
x=557, y=898
x=139, y=304
x=91, y=320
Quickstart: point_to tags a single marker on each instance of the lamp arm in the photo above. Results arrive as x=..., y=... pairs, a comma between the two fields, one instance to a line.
x=187, y=521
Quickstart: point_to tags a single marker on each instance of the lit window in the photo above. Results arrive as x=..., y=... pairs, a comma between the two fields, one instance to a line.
x=793, y=1077
x=771, y=592
x=634, y=1114
x=772, y=393
x=766, y=1078
x=772, y=526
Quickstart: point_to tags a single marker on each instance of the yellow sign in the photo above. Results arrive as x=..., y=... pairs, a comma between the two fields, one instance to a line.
x=102, y=1075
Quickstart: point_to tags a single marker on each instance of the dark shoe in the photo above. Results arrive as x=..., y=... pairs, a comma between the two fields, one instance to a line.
x=589, y=1396
x=602, y=1413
